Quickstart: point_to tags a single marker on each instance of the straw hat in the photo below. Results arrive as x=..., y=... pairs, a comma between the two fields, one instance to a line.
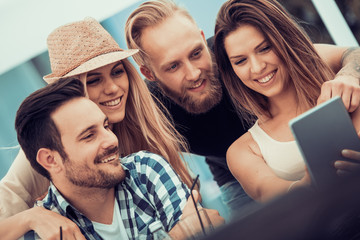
x=81, y=47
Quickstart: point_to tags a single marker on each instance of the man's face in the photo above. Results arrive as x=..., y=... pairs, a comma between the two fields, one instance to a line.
x=91, y=147
x=181, y=63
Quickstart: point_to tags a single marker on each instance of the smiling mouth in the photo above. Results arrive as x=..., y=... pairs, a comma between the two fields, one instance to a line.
x=109, y=159
x=112, y=103
x=198, y=84
x=267, y=78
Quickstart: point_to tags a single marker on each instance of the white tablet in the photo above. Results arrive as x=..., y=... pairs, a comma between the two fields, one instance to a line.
x=321, y=133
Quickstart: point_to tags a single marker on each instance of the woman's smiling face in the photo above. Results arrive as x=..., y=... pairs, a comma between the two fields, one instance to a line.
x=255, y=62
x=108, y=87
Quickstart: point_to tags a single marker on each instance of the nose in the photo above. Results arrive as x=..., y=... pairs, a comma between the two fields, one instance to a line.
x=109, y=139
x=257, y=65
x=192, y=72
x=110, y=86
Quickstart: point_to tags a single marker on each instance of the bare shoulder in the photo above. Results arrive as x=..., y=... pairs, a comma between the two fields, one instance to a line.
x=242, y=148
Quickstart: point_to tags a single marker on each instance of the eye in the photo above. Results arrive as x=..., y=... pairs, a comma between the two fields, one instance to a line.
x=265, y=49
x=240, y=61
x=197, y=54
x=172, y=67
x=88, y=137
x=117, y=71
x=93, y=81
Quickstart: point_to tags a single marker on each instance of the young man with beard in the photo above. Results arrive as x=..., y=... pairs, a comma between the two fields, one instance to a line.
x=175, y=58
x=107, y=197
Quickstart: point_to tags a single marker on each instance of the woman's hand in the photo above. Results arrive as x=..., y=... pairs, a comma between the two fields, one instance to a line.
x=47, y=224
x=344, y=168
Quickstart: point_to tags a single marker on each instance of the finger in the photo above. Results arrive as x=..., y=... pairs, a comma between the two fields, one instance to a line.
x=189, y=206
x=215, y=218
x=351, y=154
x=342, y=173
x=68, y=231
x=325, y=93
x=355, y=101
x=347, y=166
x=346, y=98
x=196, y=195
x=336, y=89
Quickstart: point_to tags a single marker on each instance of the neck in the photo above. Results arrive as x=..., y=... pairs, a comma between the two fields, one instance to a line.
x=285, y=104
x=96, y=204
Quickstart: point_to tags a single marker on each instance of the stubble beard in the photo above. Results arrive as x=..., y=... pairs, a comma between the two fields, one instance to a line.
x=94, y=178
x=190, y=103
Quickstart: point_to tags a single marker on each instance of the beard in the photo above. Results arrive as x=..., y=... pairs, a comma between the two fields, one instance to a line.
x=84, y=176
x=193, y=104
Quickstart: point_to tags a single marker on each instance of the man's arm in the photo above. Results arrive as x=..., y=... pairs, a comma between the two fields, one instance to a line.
x=171, y=196
x=346, y=63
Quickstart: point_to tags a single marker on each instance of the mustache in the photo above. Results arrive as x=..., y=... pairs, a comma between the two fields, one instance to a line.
x=109, y=151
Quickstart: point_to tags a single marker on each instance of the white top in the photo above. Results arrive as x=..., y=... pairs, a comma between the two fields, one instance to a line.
x=115, y=230
x=284, y=158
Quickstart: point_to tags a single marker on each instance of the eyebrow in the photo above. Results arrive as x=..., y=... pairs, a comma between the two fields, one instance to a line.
x=197, y=47
x=256, y=48
x=97, y=73
x=106, y=119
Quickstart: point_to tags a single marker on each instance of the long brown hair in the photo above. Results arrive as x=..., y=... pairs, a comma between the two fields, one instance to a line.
x=291, y=44
x=145, y=127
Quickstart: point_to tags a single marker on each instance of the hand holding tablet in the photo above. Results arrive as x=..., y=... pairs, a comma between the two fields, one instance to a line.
x=321, y=134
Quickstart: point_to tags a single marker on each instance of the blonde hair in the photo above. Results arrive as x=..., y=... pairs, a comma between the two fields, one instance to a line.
x=149, y=14
x=306, y=70
x=145, y=127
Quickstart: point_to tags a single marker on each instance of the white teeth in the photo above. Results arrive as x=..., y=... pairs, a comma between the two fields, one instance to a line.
x=198, y=84
x=112, y=103
x=108, y=159
x=267, y=78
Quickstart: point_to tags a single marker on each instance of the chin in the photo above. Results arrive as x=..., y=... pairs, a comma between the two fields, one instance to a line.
x=115, y=118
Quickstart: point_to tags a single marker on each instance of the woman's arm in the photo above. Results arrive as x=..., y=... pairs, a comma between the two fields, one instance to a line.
x=20, y=187
x=44, y=222
x=250, y=169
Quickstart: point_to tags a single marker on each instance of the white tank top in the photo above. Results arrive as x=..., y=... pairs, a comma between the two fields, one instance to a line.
x=284, y=158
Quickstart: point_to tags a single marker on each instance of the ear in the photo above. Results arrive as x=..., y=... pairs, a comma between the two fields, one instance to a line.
x=49, y=160
x=147, y=73
x=203, y=35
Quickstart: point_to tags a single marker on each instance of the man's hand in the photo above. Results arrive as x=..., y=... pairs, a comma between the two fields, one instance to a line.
x=47, y=225
x=347, y=87
x=213, y=214
x=189, y=213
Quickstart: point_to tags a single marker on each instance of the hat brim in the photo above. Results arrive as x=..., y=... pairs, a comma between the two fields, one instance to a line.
x=94, y=63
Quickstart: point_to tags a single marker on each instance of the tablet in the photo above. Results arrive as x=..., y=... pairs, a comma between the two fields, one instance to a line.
x=321, y=133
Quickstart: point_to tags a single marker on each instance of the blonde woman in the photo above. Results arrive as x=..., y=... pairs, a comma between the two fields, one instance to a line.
x=86, y=50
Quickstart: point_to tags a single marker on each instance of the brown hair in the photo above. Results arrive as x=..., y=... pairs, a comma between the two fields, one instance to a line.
x=33, y=123
x=307, y=71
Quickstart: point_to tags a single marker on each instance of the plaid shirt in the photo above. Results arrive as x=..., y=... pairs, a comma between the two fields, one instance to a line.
x=151, y=190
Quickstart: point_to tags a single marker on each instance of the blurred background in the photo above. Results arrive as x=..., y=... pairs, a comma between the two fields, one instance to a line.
x=25, y=25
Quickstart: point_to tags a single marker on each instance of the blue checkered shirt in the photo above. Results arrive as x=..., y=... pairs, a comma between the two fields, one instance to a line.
x=151, y=190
